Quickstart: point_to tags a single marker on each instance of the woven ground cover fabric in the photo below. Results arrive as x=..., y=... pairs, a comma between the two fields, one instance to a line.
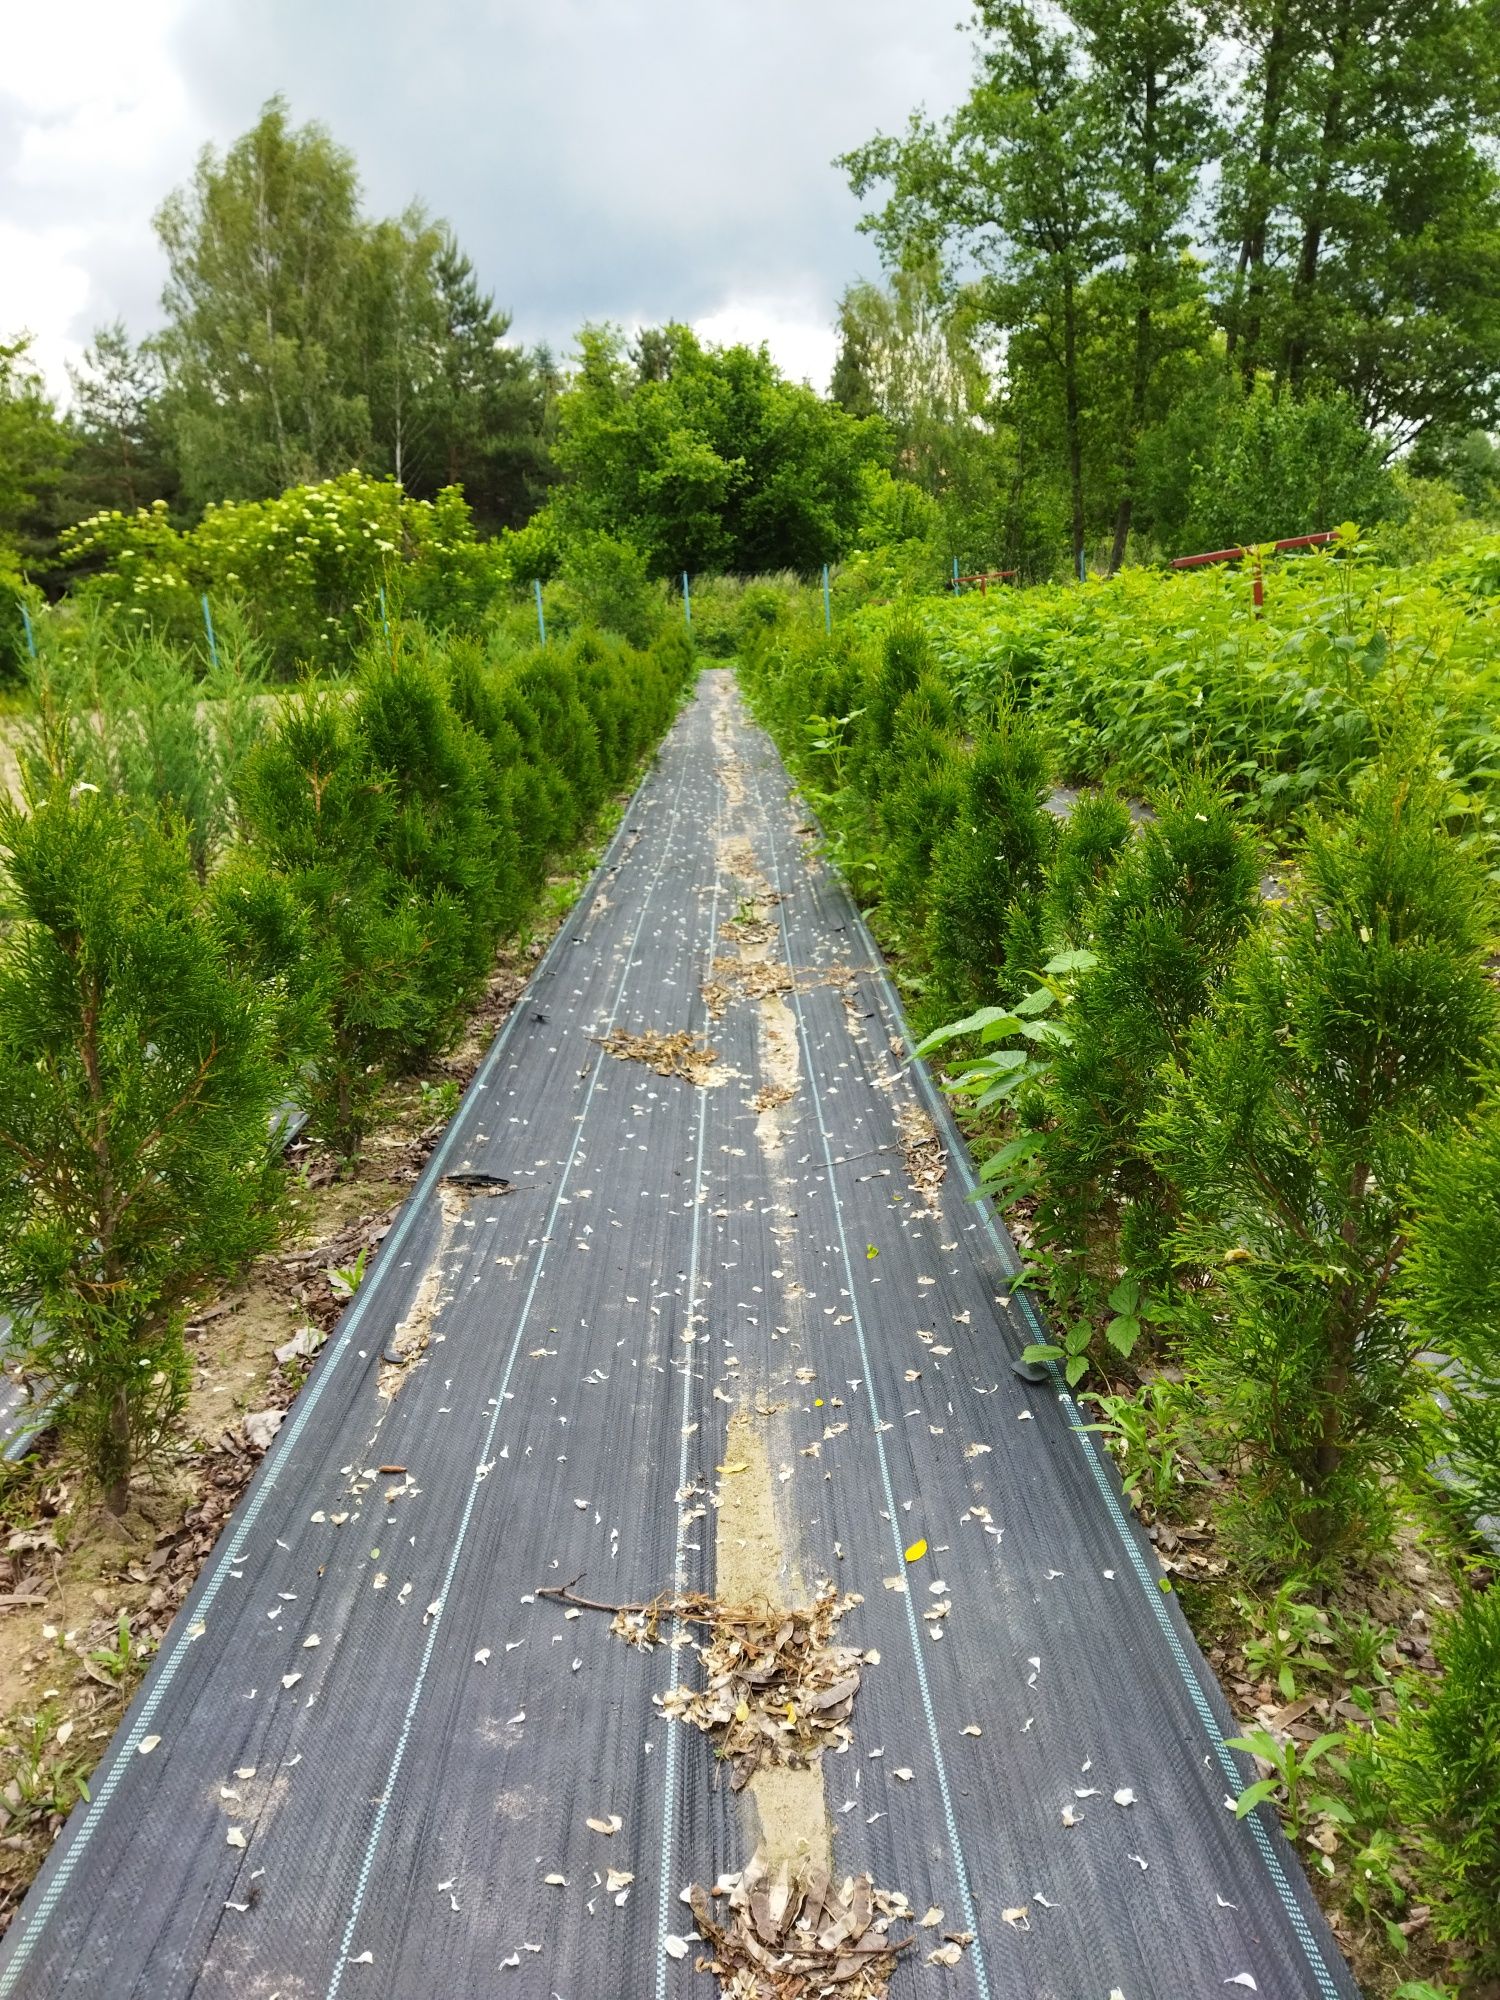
x=696, y=1282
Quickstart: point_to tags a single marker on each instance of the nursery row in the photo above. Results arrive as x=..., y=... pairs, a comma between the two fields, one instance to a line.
x=217, y=904
x=1245, y=1122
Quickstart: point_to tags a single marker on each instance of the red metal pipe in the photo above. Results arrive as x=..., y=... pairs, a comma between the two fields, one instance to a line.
x=1234, y=555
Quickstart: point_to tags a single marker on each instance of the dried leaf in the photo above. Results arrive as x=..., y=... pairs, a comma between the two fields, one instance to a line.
x=556, y=1881
x=971, y=1729
x=933, y=1919
x=1124, y=1797
x=1019, y=1918
x=1243, y=1979
x=674, y=1946
x=236, y=1836
x=946, y=1954
x=146, y=1745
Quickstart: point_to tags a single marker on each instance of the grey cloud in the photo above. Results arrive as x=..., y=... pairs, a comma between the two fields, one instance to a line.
x=600, y=161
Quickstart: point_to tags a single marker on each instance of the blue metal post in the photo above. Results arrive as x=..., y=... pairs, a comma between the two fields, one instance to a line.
x=827, y=603
x=208, y=626
x=1083, y=567
x=30, y=635
x=687, y=600
x=955, y=576
x=541, y=616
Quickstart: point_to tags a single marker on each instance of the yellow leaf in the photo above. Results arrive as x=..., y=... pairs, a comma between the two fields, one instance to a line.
x=738, y=1466
x=916, y=1552
x=742, y=1713
x=791, y=1711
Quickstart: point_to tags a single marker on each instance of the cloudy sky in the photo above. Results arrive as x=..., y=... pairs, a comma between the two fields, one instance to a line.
x=635, y=160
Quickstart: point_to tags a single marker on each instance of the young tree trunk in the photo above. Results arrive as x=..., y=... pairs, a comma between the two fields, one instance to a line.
x=1072, y=418
x=1245, y=335
x=1304, y=284
x=117, y=1482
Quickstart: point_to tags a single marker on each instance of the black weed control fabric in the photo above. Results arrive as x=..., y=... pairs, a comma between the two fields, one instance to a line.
x=366, y=1744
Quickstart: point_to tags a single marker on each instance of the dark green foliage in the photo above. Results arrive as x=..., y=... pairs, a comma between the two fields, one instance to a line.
x=1443, y=1765
x=708, y=459
x=428, y=768
x=137, y=1076
x=320, y=815
x=1087, y=846
x=1290, y=1136
x=1165, y=925
x=988, y=867
x=1450, y=1279
x=923, y=799
x=566, y=735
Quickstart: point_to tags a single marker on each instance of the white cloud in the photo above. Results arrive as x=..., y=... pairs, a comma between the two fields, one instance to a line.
x=96, y=125
x=646, y=161
x=802, y=344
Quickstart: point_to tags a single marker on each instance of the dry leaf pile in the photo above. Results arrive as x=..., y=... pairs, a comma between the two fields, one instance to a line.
x=755, y=978
x=793, y=1935
x=770, y=1095
x=922, y=1152
x=776, y=1689
x=668, y=1055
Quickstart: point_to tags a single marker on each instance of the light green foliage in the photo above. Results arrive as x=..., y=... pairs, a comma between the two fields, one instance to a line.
x=140, y=719
x=1290, y=1137
x=1137, y=678
x=1292, y=1782
x=136, y=1082
x=308, y=568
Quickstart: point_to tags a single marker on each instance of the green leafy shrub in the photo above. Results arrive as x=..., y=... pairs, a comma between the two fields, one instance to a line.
x=308, y=567
x=137, y=1076
x=1290, y=1137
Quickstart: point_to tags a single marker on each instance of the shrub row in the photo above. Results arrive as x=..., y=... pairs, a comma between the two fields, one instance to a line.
x=214, y=909
x=1254, y=1122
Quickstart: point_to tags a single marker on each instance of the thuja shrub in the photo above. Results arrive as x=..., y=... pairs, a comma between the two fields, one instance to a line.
x=988, y=868
x=137, y=1078
x=1450, y=1283
x=1087, y=846
x=141, y=718
x=1291, y=1134
x=1164, y=923
x=436, y=836
x=923, y=800
x=388, y=954
x=1442, y=1760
